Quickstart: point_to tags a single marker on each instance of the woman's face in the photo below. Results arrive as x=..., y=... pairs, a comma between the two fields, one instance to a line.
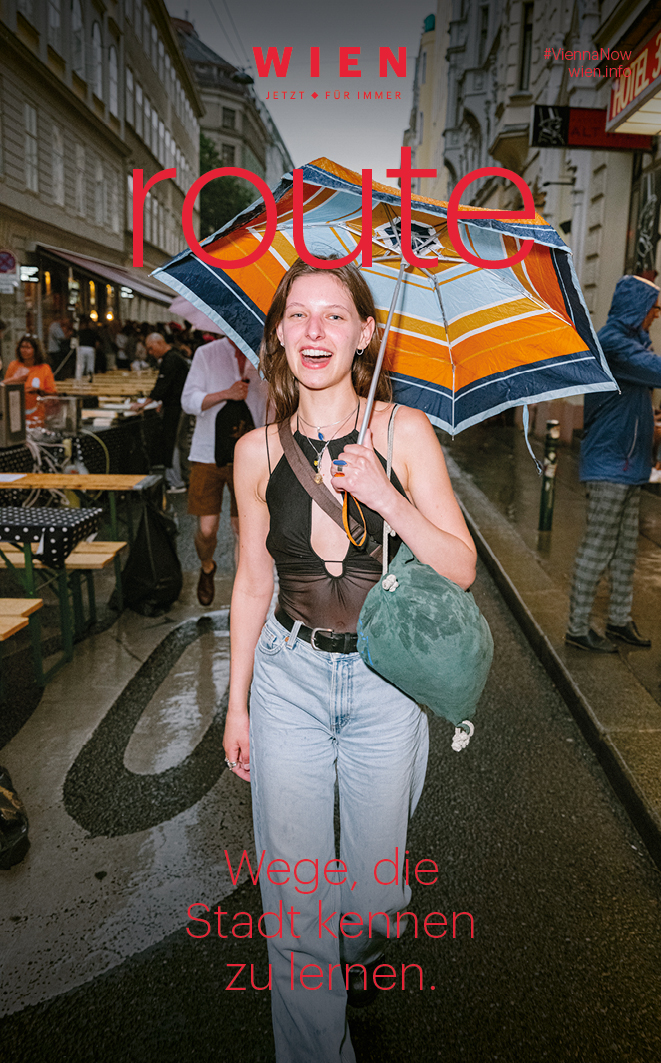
x=27, y=353
x=321, y=330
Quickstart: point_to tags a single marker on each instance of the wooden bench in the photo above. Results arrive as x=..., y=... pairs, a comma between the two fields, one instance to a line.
x=16, y=614
x=84, y=560
x=92, y=555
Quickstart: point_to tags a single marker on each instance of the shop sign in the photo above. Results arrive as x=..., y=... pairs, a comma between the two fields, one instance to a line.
x=580, y=127
x=640, y=80
x=8, y=271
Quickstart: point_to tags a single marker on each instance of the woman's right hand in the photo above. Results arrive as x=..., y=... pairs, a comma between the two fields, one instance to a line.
x=236, y=741
x=18, y=374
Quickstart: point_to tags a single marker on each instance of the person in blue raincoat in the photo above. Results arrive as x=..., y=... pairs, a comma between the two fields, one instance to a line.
x=616, y=459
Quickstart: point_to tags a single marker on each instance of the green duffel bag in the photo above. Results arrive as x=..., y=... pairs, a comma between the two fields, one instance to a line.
x=421, y=632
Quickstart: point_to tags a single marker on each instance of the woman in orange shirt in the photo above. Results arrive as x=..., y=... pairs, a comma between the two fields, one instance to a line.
x=31, y=366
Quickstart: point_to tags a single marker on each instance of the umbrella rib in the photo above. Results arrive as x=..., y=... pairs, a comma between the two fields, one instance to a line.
x=432, y=277
x=382, y=351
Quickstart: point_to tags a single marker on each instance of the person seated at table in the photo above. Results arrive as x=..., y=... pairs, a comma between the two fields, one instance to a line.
x=31, y=367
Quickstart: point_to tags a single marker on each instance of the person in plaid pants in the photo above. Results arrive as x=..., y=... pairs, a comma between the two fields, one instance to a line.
x=616, y=459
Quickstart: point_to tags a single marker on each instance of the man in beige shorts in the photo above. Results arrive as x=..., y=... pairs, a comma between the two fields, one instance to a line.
x=220, y=372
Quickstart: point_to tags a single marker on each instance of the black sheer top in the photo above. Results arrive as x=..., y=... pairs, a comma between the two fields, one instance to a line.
x=308, y=592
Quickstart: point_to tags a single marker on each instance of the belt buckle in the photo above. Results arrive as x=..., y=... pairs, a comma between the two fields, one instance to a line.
x=314, y=632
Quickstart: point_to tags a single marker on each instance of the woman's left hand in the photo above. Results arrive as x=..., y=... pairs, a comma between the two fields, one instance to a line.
x=363, y=475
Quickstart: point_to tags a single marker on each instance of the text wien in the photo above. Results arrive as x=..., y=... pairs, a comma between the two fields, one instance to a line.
x=364, y=246
x=348, y=60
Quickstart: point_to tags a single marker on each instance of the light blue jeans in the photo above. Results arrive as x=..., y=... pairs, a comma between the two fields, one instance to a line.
x=315, y=717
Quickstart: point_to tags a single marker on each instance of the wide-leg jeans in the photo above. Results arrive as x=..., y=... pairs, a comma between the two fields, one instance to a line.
x=316, y=717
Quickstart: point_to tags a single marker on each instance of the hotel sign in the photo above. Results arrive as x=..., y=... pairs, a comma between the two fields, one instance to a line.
x=639, y=81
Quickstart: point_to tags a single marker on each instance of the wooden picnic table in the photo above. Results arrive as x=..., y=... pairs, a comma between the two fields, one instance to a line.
x=110, y=482
x=91, y=481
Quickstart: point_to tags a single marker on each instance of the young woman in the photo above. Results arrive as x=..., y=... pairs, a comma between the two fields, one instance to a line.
x=31, y=367
x=318, y=715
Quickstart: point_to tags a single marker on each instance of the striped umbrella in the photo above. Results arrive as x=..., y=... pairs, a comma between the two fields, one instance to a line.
x=460, y=342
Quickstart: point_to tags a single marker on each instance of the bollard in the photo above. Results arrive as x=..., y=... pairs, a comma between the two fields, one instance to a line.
x=548, y=476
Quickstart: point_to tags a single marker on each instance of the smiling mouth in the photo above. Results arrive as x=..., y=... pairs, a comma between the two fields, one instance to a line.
x=315, y=359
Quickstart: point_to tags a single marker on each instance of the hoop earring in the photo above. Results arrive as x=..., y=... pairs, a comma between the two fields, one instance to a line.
x=359, y=351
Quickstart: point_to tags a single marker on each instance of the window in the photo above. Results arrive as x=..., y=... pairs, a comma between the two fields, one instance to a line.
x=58, y=166
x=154, y=47
x=229, y=118
x=54, y=24
x=31, y=150
x=526, y=47
x=423, y=68
x=113, y=77
x=77, y=39
x=97, y=62
x=129, y=202
x=137, y=22
x=161, y=60
x=114, y=202
x=81, y=209
x=422, y=128
x=130, y=97
x=484, y=34
x=128, y=9
x=161, y=143
x=227, y=154
x=147, y=133
x=138, y=108
x=100, y=194
x=147, y=217
x=154, y=131
x=146, y=28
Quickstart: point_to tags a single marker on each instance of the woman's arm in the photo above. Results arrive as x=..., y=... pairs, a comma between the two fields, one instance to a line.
x=253, y=590
x=433, y=527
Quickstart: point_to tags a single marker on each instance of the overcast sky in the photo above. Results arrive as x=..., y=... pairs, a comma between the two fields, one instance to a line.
x=356, y=133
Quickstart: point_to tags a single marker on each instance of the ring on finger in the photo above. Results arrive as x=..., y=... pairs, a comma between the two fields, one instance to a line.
x=231, y=763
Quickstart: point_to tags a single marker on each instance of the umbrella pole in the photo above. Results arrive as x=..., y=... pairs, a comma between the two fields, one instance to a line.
x=382, y=351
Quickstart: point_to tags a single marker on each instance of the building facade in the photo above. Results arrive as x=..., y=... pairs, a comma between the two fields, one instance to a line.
x=530, y=87
x=89, y=92
x=235, y=120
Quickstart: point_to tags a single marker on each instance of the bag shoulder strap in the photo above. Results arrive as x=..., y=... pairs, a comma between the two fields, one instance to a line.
x=386, y=527
x=301, y=469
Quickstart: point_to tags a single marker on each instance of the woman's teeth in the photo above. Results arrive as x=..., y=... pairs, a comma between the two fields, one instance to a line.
x=314, y=354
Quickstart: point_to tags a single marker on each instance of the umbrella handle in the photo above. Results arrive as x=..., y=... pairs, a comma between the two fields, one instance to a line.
x=382, y=351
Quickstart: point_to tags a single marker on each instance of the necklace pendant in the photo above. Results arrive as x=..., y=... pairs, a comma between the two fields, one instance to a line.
x=319, y=478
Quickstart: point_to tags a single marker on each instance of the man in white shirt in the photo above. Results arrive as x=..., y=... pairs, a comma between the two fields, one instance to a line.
x=220, y=372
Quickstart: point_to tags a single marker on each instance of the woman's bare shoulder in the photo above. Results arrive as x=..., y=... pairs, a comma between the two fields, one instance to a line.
x=252, y=446
x=413, y=421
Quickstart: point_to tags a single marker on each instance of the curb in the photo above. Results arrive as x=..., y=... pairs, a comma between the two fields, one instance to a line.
x=620, y=776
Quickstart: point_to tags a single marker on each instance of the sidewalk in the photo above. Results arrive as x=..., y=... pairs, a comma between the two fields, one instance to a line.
x=616, y=699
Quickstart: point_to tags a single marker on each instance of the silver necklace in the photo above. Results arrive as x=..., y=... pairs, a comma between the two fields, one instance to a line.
x=319, y=478
x=318, y=427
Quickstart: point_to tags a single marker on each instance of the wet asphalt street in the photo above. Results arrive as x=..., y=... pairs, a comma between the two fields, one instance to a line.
x=565, y=963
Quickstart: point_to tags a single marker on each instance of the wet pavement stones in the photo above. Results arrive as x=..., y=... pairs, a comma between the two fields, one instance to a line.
x=565, y=963
x=616, y=698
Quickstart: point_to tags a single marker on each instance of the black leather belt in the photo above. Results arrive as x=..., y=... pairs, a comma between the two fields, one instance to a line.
x=320, y=638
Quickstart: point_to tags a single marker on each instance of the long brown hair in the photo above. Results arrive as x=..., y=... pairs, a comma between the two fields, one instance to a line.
x=283, y=385
x=39, y=356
